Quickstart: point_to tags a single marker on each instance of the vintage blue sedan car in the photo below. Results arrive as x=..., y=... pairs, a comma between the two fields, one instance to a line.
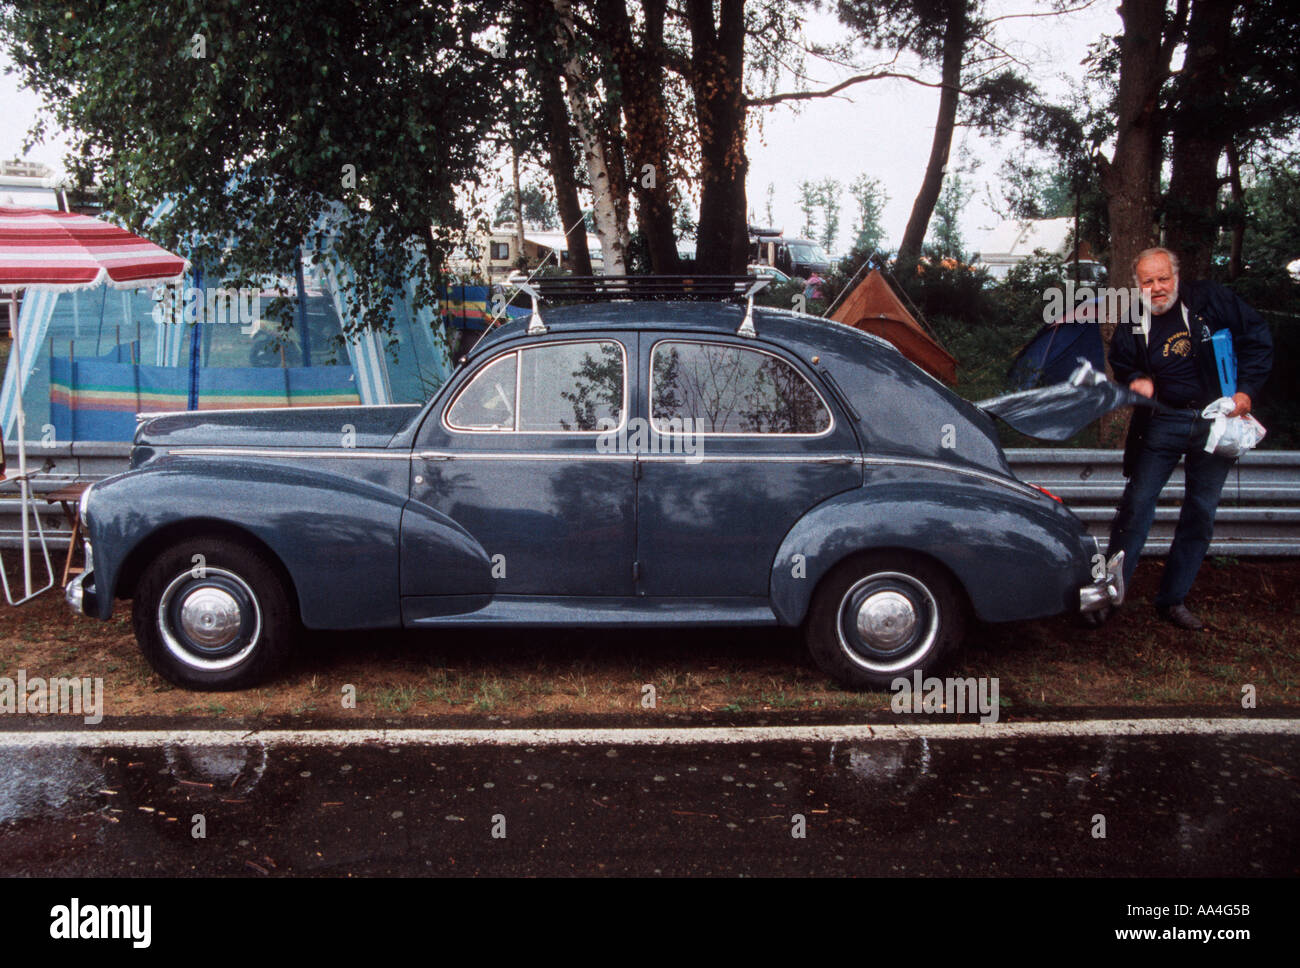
x=622, y=464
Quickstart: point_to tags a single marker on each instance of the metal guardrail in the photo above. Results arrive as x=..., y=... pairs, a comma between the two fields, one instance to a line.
x=1259, y=513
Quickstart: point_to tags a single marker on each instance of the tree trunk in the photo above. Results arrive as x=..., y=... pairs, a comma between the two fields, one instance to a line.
x=641, y=70
x=954, y=50
x=521, y=258
x=563, y=165
x=1129, y=179
x=1200, y=134
x=717, y=66
x=1238, y=211
x=605, y=207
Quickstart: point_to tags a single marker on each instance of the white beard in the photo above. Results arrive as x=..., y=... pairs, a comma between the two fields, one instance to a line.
x=1150, y=307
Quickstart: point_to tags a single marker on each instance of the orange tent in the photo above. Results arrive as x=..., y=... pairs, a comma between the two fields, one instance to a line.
x=873, y=308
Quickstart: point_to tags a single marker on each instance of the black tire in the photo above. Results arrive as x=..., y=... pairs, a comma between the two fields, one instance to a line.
x=241, y=621
x=920, y=617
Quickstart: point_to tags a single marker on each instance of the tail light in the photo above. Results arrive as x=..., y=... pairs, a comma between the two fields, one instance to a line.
x=1048, y=493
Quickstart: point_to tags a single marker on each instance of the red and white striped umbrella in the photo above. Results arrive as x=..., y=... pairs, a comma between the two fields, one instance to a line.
x=65, y=251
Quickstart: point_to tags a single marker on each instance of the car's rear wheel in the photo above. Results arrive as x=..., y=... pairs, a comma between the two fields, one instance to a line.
x=213, y=614
x=883, y=615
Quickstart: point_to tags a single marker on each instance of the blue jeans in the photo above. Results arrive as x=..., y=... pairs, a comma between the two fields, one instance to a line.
x=1170, y=437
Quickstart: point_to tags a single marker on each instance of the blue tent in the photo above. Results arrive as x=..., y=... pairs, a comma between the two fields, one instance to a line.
x=1051, y=356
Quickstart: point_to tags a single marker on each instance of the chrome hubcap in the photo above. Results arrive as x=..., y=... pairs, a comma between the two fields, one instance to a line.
x=210, y=623
x=886, y=620
x=210, y=616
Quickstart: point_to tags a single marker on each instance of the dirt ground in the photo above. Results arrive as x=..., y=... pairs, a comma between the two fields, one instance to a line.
x=1251, y=605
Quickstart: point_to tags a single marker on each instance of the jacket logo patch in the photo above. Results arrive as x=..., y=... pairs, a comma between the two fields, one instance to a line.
x=1179, y=344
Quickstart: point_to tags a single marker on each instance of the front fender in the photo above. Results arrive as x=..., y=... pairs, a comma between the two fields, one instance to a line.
x=1017, y=557
x=337, y=536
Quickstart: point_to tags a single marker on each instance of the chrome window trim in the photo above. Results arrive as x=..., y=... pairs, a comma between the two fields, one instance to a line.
x=742, y=434
x=519, y=372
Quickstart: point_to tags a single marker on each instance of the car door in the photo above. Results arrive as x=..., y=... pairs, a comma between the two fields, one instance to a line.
x=740, y=444
x=514, y=458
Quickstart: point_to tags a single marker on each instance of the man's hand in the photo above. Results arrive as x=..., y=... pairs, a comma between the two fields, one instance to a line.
x=1147, y=388
x=1242, y=400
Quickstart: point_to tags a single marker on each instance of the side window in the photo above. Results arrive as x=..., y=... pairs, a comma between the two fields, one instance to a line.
x=731, y=390
x=553, y=388
x=488, y=403
x=571, y=387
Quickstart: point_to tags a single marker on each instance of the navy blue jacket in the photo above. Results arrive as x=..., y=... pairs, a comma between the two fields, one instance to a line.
x=1210, y=308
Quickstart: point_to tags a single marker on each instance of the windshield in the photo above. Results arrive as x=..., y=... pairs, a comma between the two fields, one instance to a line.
x=807, y=252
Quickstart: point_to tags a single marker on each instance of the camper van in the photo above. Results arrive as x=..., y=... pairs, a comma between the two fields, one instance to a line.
x=496, y=255
x=794, y=257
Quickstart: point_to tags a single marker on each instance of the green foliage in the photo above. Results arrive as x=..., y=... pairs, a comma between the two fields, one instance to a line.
x=809, y=201
x=945, y=232
x=538, y=207
x=830, y=204
x=259, y=118
x=871, y=198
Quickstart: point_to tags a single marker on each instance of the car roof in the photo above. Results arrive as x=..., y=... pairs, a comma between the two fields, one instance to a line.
x=796, y=330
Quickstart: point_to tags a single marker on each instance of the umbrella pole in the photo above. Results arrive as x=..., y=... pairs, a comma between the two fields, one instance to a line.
x=25, y=495
x=24, y=490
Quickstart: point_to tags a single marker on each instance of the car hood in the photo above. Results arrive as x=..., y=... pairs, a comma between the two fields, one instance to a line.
x=284, y=426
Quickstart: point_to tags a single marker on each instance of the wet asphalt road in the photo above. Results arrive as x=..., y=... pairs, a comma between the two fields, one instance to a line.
x=1172, y=805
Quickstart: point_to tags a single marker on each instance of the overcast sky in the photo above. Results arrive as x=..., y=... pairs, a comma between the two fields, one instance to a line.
x=882, y=128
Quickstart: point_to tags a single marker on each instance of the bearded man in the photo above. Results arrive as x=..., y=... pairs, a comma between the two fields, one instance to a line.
x=1167, y=354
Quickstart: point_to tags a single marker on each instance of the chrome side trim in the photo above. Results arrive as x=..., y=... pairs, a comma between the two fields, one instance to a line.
x=845, y=459
x=475, y=455
x=150, y=414
x=1009, y=483
x=345, y=454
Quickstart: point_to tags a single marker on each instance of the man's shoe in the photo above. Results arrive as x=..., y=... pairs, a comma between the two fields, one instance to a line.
x=1181, y=616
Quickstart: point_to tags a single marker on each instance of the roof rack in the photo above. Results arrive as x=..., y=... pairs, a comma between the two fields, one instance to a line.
x=589, y=288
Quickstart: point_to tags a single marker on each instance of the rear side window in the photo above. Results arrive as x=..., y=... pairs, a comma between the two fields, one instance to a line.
x=724, y=389
x=576, y=387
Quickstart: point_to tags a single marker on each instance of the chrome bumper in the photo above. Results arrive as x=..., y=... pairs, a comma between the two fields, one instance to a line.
x=80, y=596
x=1107, y=590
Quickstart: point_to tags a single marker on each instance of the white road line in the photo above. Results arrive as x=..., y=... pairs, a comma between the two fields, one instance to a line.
x=648, y=736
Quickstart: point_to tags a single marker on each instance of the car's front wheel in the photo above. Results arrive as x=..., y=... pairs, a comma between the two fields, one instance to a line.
x=213, y=614
x=883, y=615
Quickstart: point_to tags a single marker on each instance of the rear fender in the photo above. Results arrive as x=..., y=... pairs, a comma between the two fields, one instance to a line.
x=1016, y=557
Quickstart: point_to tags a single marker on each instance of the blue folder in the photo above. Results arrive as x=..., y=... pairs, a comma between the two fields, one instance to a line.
x=1225, y=361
